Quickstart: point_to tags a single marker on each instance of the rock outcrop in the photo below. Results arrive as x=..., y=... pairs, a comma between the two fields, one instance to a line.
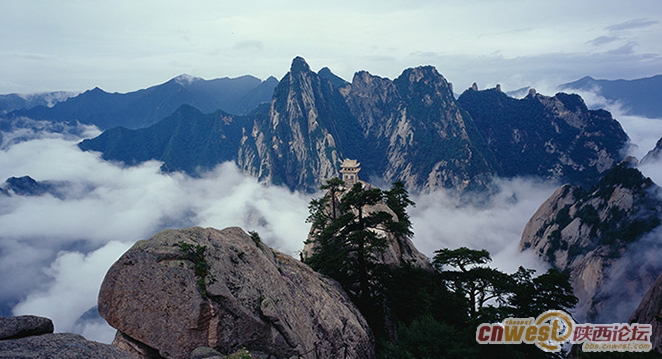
x=400, y=249
x=649, y=311
x=27, y=186
x=598, y=235
x=30, y=336
x=244, y=295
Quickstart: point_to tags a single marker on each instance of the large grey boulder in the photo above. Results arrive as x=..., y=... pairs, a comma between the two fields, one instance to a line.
x=24, y=326
x=253, y=297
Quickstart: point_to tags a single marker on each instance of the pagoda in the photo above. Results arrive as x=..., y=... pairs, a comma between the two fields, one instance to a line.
x=350, y=172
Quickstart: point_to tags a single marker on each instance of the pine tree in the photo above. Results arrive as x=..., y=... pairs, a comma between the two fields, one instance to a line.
x=348, y=238
x=397, y=199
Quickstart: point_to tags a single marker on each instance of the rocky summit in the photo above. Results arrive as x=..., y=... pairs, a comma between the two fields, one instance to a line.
x=225, y=290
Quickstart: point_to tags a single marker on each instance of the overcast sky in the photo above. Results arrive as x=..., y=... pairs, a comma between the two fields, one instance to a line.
x=126, y=45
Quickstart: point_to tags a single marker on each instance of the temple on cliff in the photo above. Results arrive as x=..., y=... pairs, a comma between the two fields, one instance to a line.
x=349, y=170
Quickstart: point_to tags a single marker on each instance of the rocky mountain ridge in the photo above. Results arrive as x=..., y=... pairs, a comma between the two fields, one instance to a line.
x=653, y=155
x=649, y=311
x=12, y=102
x=555, y=137
x=410, y=129
x=184, y=141
x=418, y=132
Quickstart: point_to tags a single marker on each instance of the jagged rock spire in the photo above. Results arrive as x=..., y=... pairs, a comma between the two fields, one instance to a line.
x=299, y=64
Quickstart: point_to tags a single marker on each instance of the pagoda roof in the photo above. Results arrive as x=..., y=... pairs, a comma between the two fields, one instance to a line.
x=350, y=163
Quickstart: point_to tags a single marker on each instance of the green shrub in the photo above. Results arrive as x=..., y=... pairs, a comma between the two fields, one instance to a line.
x=196, y=254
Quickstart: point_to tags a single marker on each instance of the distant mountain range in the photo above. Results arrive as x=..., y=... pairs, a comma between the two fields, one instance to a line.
x=409, y=129
x=639, y=97
x=13, y=102
x=143, y=108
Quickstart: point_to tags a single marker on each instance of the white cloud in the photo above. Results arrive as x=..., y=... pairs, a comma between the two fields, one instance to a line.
x=66, y=245
x=442, y=221
x=76, y=279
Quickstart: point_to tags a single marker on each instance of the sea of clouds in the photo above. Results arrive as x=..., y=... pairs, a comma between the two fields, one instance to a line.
x=55, y=250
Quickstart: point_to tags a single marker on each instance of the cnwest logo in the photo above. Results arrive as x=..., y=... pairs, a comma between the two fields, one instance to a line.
x=554, y=328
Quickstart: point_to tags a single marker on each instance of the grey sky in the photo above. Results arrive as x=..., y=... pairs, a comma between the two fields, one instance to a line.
x=126, y=45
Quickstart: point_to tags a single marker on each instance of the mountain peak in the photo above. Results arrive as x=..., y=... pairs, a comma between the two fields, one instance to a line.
x=335, y=80
x=426, y=74
x=299, y=64
x=186, y=79
x=422, y=71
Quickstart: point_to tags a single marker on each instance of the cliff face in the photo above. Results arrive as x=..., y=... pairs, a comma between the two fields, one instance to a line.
x=238, y=293
x=553, y=137
x=418, y=132
x=596, y=234
x=408, y=129
x=298, y=143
